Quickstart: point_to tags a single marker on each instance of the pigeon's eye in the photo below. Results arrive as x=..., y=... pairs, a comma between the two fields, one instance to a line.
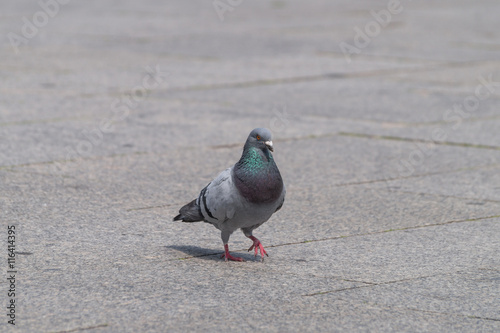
x=258, y=137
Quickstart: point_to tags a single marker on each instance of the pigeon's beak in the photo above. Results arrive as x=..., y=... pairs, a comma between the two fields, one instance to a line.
x=269, y=145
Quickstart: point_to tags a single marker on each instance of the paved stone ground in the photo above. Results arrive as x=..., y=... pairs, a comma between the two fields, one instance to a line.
x=114, y=114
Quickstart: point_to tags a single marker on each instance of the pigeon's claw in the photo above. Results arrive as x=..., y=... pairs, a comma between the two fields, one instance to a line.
x=257, y=245
x=227, y=256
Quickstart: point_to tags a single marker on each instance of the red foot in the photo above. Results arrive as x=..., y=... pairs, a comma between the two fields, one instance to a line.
x=258, y=246
x=228, y=257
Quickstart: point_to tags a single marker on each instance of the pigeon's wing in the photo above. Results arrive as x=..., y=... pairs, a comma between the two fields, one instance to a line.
x=218, y=199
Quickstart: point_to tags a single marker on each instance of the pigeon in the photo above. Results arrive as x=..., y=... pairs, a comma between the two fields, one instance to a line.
x=243, y=196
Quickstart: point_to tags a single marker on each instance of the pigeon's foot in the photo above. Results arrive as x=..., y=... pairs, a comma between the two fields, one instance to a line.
x=257, y=245
x=227, y=256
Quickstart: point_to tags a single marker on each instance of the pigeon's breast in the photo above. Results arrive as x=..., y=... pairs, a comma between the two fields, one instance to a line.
x=262, y=188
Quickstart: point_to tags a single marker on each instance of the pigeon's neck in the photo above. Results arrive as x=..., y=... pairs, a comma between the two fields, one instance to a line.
x=254, y=160
x=257, y=177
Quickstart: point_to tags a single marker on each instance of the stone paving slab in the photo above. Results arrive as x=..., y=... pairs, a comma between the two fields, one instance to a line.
x=451, y=294
x=478, y=186
x=382, y=258
x=342, y=99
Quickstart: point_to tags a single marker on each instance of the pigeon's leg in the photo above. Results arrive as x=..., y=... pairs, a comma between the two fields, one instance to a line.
x=227, y=256
x=257, y=245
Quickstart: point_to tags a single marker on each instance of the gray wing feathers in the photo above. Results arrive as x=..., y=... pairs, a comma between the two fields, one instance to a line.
x=217, y=199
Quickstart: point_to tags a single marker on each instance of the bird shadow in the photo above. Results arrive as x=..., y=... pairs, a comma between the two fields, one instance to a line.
x=205, y=254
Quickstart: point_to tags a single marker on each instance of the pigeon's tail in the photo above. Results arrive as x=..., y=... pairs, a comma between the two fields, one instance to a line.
x=190, y=213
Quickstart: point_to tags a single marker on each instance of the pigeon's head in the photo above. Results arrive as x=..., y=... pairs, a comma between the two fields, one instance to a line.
x=260, y=138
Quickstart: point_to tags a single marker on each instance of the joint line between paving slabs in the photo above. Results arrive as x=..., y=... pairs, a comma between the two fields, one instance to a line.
x=450, y=314
x=398, y=138
x=426, y=311
x=319, y=77
x=436, y=312
x=419, y=175
x=368, y=284
x=79, y=329
x=446, y=196
x=371, y=284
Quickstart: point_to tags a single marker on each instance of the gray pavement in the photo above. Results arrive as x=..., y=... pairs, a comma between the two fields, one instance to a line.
x=114, y=114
